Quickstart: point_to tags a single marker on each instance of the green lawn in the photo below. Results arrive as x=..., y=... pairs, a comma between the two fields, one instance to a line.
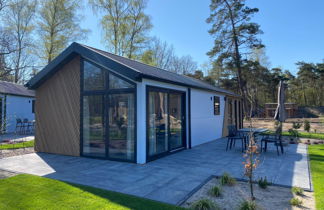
x=33, y=192
x=316, y=155
x=17, y=145
x=302, y=134
x=307, y=135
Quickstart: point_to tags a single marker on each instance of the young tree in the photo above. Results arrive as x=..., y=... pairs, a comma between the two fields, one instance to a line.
x=125, y=25
x=58, y=24
x=234, y=35
x=19, y=22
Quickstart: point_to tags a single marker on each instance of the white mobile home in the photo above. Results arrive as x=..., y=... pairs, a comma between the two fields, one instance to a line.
x=96, y=104
x=16, y=102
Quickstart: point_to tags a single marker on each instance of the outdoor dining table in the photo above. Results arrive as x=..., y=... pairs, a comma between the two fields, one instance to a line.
x=254, y=130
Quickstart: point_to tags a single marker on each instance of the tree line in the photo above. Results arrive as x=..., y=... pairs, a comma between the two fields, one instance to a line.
x=33, y=33
x=239, y=62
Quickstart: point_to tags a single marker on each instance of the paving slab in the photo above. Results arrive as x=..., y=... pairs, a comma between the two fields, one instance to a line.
x=169, y=179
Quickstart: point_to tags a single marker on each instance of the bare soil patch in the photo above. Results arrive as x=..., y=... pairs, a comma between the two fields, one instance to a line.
x=13, y=152
x=271, y=198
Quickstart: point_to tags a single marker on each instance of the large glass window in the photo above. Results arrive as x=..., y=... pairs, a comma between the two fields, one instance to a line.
x=94, y=77
x=121, y=126
x=117, y=83
x=108, y=114
x=93, y=126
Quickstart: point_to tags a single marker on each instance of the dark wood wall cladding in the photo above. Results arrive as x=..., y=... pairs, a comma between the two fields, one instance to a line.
x=58, y=112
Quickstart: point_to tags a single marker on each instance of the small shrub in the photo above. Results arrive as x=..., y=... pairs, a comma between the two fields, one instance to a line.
x=216, y=191
x=297, y=191
x=204, y=204
x=263, y=183
x=307, y=126
x=226, y=179
x=296, y=125
x=247, y=205
x=295, y=202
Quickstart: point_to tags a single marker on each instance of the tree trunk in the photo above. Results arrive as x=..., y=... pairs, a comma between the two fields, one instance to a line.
x=237, y=61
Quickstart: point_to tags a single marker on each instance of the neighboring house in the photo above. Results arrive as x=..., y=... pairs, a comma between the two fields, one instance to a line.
x=96, y=104
x=16, y=101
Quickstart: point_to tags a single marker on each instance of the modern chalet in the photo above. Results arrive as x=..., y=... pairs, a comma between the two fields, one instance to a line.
x=96, y=104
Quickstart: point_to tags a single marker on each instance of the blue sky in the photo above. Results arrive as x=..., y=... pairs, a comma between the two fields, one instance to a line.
x=293, y=29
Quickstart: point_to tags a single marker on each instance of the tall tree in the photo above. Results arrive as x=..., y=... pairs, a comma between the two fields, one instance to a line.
x=182, y=65
x=3, y=4
x=125, y=25
x=58, y=24
x=19, y=22
x=234, y=35
x=160, y=52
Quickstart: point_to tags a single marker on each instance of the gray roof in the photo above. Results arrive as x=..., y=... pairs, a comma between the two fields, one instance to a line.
x=15, y=89
x=132, y=69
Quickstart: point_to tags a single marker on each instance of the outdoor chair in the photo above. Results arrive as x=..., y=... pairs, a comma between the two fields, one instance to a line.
x=275, y=139
x=25, y=126
x=233, y=136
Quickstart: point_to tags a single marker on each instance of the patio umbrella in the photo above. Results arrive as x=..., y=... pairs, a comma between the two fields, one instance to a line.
x=280, y=114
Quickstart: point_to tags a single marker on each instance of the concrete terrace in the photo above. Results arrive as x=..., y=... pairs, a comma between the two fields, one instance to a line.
x=170, y=179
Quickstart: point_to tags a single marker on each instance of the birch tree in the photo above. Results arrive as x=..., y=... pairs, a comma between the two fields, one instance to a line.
x=58, y=24
x=125, y=25
x=19, y=16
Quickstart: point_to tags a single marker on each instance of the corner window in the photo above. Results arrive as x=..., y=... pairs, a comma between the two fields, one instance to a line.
x=216, y=105
x=108, y=114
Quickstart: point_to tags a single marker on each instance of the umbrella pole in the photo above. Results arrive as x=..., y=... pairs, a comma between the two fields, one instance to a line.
x=280, y=136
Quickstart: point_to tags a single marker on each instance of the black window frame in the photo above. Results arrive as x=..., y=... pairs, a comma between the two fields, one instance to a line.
x=105, y=93
x=33, y=106
x=216, y=104
x=169, y=91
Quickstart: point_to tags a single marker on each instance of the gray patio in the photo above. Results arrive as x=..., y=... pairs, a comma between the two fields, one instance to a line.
x=170, y=179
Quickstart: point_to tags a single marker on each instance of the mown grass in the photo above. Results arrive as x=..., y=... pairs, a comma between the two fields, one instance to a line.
x=302, y=134
x=17, y=145
x=316, y=155
x=33, y=192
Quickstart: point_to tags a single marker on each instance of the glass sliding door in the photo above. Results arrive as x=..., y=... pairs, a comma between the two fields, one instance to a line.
x=165, y=121
x=121, y=126
x=176, y=121
x=158, y=123
x=93, y=126
x=108, y=114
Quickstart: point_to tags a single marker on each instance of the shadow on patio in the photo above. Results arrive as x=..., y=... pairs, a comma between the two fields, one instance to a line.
x=169, y=179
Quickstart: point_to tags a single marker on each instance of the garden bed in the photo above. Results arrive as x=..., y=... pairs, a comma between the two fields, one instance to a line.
x=273, y=197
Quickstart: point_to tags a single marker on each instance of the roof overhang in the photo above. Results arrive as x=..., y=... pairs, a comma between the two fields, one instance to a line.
x=72, y=51
x=76, y=49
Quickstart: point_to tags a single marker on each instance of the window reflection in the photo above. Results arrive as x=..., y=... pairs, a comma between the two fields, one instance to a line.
x=93, y=126
x=94, y=77
x=121, y=126
x=158, y=123
x=117, y=83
